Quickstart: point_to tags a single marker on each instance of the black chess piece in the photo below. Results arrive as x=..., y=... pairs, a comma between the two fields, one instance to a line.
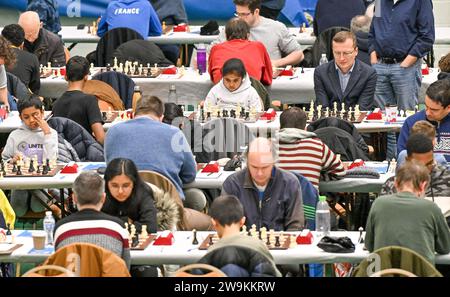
x=352, y=116
x=135, y=240
x=303, y=71
x=47, y=162
x=218, y=113
x=249, y=233
x=259, y=235
x=361, y=239
x=314, y=118
x=225, y=113
x=44, y=169
x=208, y=116
x=136, y=70
x=277, y=241
x=31, y=168
x=108, y=67
x=38, y=169
x=233, y=113
x=8, y=229
x=18, y=172
x=247, y=115
x=268, y=240
x=14, y=169
x=195, y=240
x=242, y=115
x=345, y=116
x=210, y=242
x=129, y=71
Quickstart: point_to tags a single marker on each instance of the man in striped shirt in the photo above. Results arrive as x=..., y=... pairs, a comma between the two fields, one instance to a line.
x=303, y=151
x=89, y=224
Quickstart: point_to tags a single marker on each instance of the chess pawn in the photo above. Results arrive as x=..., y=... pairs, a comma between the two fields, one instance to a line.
x=49, y=65
x=194, y=240
x=244, y=229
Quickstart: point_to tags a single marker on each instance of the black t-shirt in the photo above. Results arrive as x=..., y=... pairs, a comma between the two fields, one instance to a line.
x=79, y=107
x=26, y=69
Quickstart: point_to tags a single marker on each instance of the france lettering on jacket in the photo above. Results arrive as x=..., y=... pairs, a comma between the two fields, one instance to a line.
x=126, y=11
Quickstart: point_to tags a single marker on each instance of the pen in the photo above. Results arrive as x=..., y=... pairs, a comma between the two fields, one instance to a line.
x=294, y=77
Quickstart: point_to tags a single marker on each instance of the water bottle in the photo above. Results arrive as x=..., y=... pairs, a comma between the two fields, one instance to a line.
x=323, y=59
x=173, y=98
x=201, y=58
x=49, y=226
x=322, y=217
x=137, y=95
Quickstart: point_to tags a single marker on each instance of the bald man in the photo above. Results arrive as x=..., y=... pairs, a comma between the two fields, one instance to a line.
x=47, y=46
x=271, y=197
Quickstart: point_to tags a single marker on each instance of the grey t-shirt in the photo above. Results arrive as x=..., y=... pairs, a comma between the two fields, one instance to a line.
x=275, y=37
x=3, y=79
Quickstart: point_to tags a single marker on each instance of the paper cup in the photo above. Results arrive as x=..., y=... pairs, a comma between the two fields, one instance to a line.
x=391, y=113
x=39, y=240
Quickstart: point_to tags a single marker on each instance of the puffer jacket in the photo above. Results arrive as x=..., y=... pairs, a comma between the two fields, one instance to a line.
x=82, y=142
x=241, y=256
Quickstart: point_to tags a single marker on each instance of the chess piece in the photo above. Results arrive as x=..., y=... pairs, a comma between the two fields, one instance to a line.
x=210, y=240
x=303, y=71
x=14, y=169
x=19, y=172
x=194, y=234
x=244, y=229
x=135, y=240
x=144, y=233
x=361, y=239
x=8, y=229
x=164, y=27
x=208, y=116
x=352, y=115
x=31, y=168
x=277, y=241
x=38, y=169
x=268, y=240
x=260, y=235
x=115, y=66
x=41, y=69
x=49, y=65
x=108, y=67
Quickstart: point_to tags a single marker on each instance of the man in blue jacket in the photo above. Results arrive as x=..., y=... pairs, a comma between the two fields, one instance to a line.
x=437, y=102
x=138, y=15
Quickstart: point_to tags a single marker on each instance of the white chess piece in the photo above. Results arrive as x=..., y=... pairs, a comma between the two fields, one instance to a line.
x=115, y=63
x=144, y=233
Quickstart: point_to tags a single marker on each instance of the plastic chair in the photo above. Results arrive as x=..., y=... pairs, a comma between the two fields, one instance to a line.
x=393, y=271
x=213, y=271
x=43, y=271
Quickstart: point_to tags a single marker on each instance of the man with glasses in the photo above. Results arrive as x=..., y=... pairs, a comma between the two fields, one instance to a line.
x=437, y=102
x=420, y=149
x=345, y=79
x=282, y=47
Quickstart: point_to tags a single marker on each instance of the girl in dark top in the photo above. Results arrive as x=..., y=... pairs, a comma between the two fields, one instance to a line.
x=128, y=196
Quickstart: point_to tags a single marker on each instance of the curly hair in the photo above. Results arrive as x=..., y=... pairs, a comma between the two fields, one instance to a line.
x=444, y=63
x=6, y=52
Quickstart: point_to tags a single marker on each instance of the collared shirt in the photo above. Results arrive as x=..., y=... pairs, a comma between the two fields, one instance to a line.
x=403, y=28
x=344, y=77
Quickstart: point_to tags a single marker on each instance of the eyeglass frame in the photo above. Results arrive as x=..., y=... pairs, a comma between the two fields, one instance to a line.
x=242, y=14
x=344, y=54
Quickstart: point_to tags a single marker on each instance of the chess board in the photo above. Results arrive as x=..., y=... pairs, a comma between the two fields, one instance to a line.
x=24, y=169
x=115, y=115
x=143, y=243
x=147, y=72
x=46, y=73
x=361, y=117
x=285, y=241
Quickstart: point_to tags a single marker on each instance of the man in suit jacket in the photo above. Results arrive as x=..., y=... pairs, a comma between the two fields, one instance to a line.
x=345, y=79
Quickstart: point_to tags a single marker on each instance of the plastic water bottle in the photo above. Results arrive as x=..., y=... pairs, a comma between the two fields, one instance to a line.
x=173, y=98
x=323, y=59
x=49, y=226
x=322, y=217
x=201, y=58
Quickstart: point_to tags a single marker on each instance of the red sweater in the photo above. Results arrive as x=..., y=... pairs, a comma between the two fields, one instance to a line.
x=252, y=53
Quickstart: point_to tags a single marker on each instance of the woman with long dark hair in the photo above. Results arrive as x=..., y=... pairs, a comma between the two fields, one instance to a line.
x=128, y=196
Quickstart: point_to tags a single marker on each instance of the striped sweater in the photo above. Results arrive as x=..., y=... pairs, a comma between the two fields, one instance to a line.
x=94, y=227
x=303, y=152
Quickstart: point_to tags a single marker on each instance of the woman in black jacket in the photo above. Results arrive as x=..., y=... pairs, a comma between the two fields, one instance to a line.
x=128, y=197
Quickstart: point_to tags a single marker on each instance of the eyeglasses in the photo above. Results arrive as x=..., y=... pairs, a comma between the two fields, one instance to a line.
x=242, y=14
x=345, y=54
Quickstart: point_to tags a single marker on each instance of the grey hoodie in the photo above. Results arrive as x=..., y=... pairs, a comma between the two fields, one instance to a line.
x=245, y=95
x=292, y=135
x=30, y=143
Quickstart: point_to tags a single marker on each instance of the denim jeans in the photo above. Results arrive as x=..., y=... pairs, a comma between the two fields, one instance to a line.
x=398, y=85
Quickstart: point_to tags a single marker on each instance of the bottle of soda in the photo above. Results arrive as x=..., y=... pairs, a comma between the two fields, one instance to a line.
x=201, y=58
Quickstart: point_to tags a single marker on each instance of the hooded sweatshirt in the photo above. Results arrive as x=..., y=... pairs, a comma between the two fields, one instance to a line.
x=30, y=143
x=301, y=151
x=245, y=95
